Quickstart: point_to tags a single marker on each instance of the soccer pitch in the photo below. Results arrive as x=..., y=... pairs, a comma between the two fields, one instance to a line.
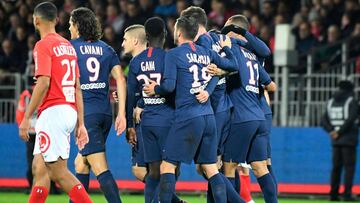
x=16, y=197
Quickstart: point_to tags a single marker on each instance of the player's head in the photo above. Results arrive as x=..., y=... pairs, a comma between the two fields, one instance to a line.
x=44, y=14
x=83, y=23
x=134, y=36
x=186, y=29
x=235, y=25
x=238, y=20
x=197, y=13
x=155, y=31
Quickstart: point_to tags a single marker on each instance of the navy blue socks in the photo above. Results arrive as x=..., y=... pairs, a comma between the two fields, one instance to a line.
x=109, y=187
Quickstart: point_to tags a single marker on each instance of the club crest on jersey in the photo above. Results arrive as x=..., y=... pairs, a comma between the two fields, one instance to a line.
x=44, y=141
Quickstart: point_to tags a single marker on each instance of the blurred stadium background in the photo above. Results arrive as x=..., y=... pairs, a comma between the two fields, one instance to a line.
x=322, y=48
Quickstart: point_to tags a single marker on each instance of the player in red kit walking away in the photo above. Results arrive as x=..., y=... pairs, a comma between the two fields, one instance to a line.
x=57, y=95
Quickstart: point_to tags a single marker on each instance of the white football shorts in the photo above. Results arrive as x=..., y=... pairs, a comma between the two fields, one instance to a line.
x=53, y=130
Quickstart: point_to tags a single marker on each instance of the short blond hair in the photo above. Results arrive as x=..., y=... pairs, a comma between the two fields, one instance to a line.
x=137, y=31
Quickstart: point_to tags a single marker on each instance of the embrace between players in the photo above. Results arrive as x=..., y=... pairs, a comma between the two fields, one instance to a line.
x=203, y=100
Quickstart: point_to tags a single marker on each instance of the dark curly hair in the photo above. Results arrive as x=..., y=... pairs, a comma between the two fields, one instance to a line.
x=88, y=25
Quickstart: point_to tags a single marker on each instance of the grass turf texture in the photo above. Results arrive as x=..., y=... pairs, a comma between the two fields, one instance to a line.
x=16, y=197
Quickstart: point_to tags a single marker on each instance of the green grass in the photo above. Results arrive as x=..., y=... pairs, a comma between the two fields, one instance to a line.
x=16, y=197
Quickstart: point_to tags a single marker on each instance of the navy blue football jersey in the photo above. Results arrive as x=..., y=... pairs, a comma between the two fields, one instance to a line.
x=96, y=60
x=243, y=86
x=149, y=65
x=185, y=69
x=219, y=99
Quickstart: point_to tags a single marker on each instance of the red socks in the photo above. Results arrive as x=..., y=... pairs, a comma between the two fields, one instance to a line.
x=38, y=194
x=78, y=194
x=245, y=188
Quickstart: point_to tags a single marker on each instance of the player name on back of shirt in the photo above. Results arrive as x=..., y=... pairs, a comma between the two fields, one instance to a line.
x=249, y=55
x=64, y=49
x=194, y=58
x=89, y=49
x=147, y=65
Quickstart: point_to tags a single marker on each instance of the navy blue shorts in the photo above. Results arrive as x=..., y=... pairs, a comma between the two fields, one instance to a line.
x=137, y=153
x=193, y=139
x=223, y=129
x=98, y=127
x=247, y=142
x=154, y=138
x=268, y=120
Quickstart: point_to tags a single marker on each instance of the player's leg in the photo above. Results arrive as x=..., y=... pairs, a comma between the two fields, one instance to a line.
x=167, y=181
x=237, y=146
x=257, y=158
x=55, y=149
x=182, y=142
x=105, y=178
x=139, y=168
x=29, y=157
x=154, y=138
x=206, y=155
x=139, y=172
x=98, y=126
x=59, y=173
x=244, y=173
x=41, y=181
x=336, y=173
x=268, y=120
x=82, y=169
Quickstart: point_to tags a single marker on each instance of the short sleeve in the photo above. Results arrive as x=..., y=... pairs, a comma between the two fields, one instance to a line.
x=42, y=59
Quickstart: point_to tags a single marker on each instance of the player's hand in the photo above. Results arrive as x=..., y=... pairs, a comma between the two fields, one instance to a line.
x=131, y=136
x=225, y=41
x=115, y=96
x=150, y=88
x=334, y=135
x=120, y=124
x=137, y=114
x=24, y=129
x=81, y=136
x=202, y=96
x=213, y=70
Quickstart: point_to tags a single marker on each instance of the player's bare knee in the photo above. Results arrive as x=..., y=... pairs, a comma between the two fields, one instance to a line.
x=167, y=167
x=81, y=165
x=259, y=168
x=229, y=169
x=210, y=170
x=139, y=172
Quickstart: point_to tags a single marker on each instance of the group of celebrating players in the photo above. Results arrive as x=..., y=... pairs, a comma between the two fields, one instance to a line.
x=205, y=100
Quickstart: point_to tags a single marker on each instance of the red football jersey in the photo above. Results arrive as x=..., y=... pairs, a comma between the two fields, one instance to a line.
x=55, y=57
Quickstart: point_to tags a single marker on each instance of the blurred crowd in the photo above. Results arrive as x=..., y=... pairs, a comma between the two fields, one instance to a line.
x=314, y=22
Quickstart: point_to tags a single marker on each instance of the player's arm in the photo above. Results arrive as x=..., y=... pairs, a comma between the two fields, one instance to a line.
x=266, y=81
x=252, y=43
x=120, y=122
x=81, y=133
x=131, y=103
x=40, y=90
x=256, y=45
x=43, y=63
x=169, y=78
x=229, y=62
